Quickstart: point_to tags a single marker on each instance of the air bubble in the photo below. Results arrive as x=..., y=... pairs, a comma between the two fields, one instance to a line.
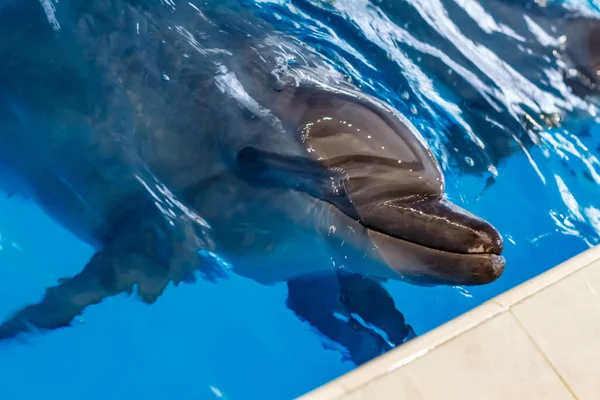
x=165, y=77
x=469, y=161
x=463, y=291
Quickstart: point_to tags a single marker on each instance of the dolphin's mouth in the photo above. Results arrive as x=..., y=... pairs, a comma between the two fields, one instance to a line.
x=433, y=266
x=449, y=244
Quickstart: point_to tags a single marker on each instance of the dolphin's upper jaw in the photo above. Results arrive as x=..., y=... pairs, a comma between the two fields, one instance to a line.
x=435, y=223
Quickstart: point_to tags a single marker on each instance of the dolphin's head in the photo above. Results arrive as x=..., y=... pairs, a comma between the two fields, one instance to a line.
x=371, y=169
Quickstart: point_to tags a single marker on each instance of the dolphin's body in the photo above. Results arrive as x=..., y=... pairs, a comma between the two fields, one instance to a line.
x=135, y=134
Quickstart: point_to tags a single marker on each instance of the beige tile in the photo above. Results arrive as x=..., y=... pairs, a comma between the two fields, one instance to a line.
x=542, y=281
x=592, y=274
x=330, y=391
x=495, y=360
x=404, y=385
x=417, y=347
x=356, y=395
x=564, y=321
x=393, y=386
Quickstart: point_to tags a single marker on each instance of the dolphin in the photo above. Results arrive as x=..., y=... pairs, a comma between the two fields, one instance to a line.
x=165, y=152
x=578, y=33
x=582, y=47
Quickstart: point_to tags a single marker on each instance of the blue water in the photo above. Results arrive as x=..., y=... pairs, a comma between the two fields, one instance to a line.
x=537, y=184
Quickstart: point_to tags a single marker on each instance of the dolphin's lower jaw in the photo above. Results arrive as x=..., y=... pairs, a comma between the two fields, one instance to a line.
x=422, y=265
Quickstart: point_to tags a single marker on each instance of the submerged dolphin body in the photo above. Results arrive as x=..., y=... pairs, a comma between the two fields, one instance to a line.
x=578, y=34
x=583, y=49
x=137, y=135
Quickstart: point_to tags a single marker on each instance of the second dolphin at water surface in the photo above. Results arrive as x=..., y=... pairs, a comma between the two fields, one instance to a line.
x=578, y=33
x=157, y=134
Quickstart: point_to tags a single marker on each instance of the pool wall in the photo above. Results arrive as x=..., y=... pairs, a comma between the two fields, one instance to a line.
x=538, y=340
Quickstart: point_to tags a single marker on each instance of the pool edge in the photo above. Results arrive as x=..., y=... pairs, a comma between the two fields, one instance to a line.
x=372, y=374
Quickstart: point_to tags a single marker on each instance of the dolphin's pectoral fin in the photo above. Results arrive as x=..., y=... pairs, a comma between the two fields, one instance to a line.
x=147, y=259
x=291, y=172
x=354, y=311
x=104, y=276
x=369, y=299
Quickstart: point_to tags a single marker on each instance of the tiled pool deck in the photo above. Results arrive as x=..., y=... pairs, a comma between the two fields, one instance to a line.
x=540, y=340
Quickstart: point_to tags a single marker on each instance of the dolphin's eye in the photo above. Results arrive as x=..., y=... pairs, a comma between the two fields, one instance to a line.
x=372, y=146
